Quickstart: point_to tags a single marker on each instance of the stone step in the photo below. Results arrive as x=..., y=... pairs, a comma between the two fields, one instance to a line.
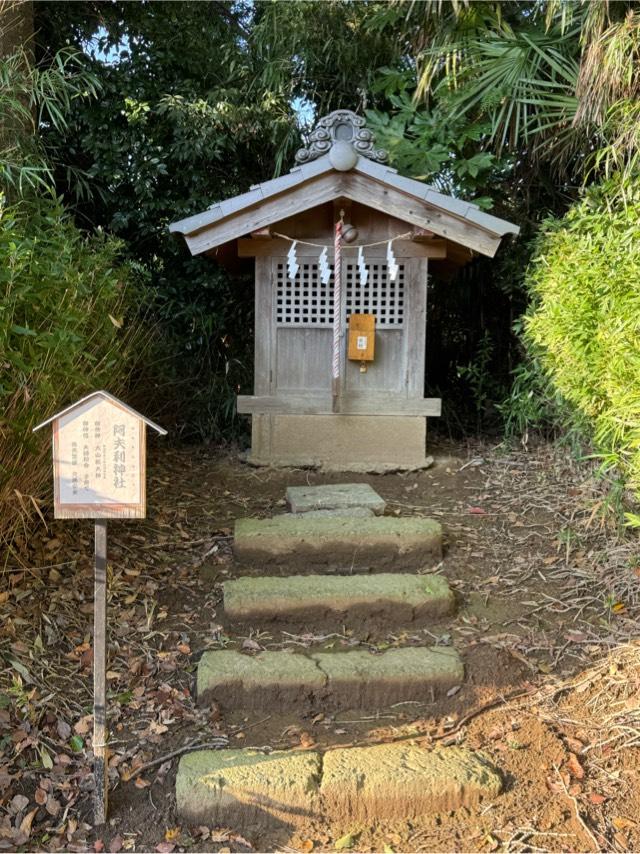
x=377, y=601
x=255, y=792
x=334, y=496
x=349, y=512
x=280, y=680
x=349, y=544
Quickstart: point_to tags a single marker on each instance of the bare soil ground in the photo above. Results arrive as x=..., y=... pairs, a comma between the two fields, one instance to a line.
x=547, y=624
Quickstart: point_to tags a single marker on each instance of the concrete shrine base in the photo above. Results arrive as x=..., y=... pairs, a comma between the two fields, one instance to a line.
x=340, y=442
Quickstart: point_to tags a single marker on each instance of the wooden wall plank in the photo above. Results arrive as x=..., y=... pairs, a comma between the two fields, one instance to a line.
x=263, y=327
x=258, y=247
x=314, y=403
x=387, y=371
x=303, y=358
x=416, y=321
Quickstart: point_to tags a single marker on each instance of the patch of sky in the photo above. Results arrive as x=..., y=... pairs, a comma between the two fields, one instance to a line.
x=305, y=111
x=99, y=49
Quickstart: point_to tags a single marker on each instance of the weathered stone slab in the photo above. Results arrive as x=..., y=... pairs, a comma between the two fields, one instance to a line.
x=246, y=789
x=334, y=496
x=360, y=679
x=378, y=600
x=254, y=792
x=347, y=543
x=281, y=681
x=403, y=781
x=268, y=680
x=357, y=512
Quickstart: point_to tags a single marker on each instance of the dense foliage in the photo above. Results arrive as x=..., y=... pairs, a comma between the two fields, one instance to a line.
x=70, y=310
x=69, y=323
x=514, y=103
x=584, y=321
x=181, y=122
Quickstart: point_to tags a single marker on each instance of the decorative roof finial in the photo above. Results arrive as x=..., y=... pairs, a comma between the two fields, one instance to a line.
x=341, y=126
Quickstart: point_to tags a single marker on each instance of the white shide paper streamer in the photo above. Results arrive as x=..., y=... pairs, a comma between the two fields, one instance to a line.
x=292, y=262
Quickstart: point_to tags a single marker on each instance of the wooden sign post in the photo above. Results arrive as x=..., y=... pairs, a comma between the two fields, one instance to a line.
x=99, y=468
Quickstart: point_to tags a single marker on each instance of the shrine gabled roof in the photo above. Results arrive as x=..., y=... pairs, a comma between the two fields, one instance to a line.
x=324, y=176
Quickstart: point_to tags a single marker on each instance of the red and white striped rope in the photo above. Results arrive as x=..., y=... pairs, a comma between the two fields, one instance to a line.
x=337, y=299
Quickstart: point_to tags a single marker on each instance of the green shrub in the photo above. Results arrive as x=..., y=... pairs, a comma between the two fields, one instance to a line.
x=584, y=322
x=65, y=309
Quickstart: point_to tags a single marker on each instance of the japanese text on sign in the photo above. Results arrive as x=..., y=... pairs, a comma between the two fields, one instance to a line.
x=98, y=456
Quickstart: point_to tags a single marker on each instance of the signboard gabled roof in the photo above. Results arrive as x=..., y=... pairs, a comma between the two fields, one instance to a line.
x=105, y=396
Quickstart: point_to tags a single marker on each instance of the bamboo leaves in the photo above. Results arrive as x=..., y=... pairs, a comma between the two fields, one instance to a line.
x=586, y=318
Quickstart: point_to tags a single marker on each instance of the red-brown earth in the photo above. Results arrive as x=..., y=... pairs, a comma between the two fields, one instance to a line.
x=549, y=597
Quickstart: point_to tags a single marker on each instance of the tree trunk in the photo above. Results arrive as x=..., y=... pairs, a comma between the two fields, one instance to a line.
x=16, y=28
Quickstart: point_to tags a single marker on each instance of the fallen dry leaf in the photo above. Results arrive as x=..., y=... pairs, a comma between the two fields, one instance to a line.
x=345, y=842
x=83, y=725
x=63, y=728
x=18, y=804
x=492, y=842
x=27, y=821
x=621, y=823
x=574, y=744
x=575, y=768
x=52, y=806
x=555, y=785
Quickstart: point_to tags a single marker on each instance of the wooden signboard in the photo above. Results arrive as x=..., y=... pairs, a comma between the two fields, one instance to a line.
x=99, y=466
x=99, y=460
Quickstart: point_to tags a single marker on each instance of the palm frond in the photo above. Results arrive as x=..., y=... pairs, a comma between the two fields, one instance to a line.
x=609, y=70
x=524, y=81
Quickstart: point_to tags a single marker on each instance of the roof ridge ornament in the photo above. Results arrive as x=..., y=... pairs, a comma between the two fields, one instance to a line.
x=340, y=127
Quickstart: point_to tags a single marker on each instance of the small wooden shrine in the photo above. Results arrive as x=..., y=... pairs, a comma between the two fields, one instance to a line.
x=342, y=247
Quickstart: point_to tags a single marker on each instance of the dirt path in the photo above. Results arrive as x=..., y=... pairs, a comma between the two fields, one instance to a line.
x=546, y=594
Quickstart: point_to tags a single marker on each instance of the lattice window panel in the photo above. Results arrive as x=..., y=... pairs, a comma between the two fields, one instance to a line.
x=307, y=302
x=381, y=296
